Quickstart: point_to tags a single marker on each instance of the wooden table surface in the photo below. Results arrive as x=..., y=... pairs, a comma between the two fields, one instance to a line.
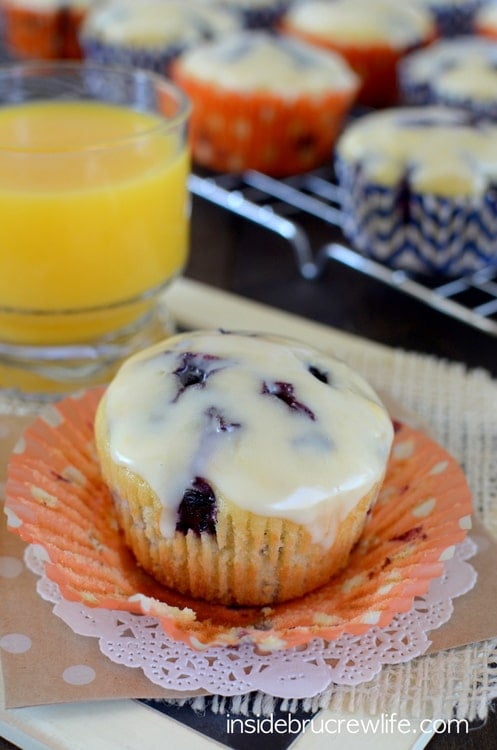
x=235, y=255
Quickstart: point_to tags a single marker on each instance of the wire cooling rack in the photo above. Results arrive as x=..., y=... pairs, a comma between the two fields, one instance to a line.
x=284, y=207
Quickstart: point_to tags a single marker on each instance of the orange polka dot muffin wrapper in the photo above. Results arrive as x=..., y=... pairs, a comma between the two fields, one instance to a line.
x=232, y=132
x=56, y=498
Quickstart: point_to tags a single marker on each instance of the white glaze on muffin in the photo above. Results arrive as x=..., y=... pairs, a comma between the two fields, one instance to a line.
x=267, y=423
x=259, y=61
x=438, y=149
x=362, y=22
x=459, y=69
x=156, y=23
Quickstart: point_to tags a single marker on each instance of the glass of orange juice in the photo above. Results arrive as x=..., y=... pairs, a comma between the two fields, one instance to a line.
x=94, y=214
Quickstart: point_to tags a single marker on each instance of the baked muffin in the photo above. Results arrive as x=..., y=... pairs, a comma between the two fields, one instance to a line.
x=372, y=35
x=43, y=29
x=257, y=14
x=459, y=72
x=485, y=20
x=452, y=17
x=243, y=466
x=151, y=33
x=264, y=102
x=418, y=188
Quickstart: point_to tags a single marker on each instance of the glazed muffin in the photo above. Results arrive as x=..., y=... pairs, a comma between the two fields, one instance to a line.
x=372, y=35
x=264, y=102
x=452, y=17
x=243, y=466
x=418, y=189
x=43, y=29
x=459, y=72
x=151, y=33
x=257, y=14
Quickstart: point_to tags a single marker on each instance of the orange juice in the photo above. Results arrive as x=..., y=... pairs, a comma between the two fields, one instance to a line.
x=93, y=214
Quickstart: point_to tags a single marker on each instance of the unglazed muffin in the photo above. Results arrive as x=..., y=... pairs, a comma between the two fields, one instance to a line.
x=265, y=102
x=372, y=35
x=43, y=29
x=243, y=466
x=152, y=33
x=418, y=188
x=459, y=72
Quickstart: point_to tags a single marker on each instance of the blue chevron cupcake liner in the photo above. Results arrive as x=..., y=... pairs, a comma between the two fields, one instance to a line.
x=263, y=17
x=455, y=20
x=157, y=59
x=418, y=232
x=423, y=94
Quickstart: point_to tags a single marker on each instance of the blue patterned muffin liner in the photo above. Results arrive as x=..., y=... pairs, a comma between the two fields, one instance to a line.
x=157, y=59
x=263, y=17
x=418, y=232
x=421, y=93
x=453, y=21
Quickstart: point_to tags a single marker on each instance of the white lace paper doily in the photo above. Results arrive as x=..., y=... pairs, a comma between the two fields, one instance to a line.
x=139, y=641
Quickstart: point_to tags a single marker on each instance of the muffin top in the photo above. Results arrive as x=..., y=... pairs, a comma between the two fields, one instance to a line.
x=155, y=23
x=439, y=150
x=266, y=423
x=455, y=69
x=260, y=61
x=362, y=22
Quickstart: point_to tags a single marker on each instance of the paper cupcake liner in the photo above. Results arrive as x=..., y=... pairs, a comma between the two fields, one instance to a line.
x=263, y=17
x=42, y=33
x=232, y=132
x=57, y=498
x=158, y=60
x=454, y=20
x=418, y=232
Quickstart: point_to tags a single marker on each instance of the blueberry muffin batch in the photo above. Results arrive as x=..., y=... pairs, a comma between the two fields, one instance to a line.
x=276, y=86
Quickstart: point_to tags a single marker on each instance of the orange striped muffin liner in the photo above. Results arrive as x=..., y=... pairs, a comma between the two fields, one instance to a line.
x=43, y=34
x=56, y=498
x=235, y=131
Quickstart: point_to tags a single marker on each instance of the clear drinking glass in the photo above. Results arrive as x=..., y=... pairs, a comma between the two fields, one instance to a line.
x=94, y=218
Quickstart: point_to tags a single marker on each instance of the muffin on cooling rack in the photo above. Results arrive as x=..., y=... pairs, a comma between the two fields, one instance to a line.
x=43, y=29
x=151, y=33
x=460, y=72
x=256, y=14
x=452, y=17
x=243, y=466
x=264, y=102
x=372, y=35
x=418, y=189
